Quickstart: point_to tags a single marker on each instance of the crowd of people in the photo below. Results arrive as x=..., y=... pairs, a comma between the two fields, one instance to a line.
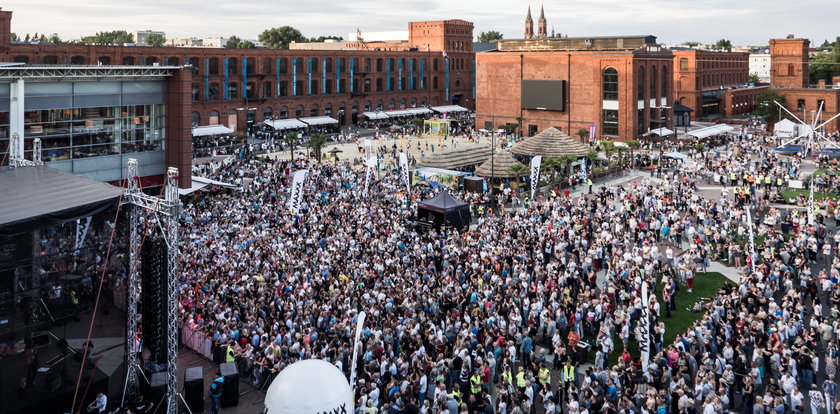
x=532, y=309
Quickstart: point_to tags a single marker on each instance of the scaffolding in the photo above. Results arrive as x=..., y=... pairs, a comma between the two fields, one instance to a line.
x=165, y=212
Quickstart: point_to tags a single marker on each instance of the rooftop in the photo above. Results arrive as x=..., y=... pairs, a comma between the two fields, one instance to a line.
x=592, y=43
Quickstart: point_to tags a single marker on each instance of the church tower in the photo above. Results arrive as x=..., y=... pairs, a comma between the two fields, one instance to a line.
x=529, y=25
x=541, y=24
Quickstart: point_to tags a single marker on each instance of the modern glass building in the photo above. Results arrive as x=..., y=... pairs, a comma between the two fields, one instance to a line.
x=90, y=120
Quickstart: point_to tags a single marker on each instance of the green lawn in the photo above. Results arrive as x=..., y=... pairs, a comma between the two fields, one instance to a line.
x=818, y=196
x=706, y=285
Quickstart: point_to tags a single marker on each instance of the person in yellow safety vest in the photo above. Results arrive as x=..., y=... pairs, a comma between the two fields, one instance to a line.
x=767, y=182
x=733, y=178
x=520, y=379
x=457, y=396
x=568, y=373
x=507, y=377
x=589, y=183
x=475, y=383
x=544, y=376
x=229, y=354
x=779, y=182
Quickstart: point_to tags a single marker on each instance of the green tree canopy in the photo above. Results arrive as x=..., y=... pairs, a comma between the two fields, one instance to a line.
x=280, y=37
x=753, y=78
x=233, y=42
x=724, y=44
x=114, y=37
x=246, y=44
x=320, y=39
x=489, y=36
x=765, y=107
x=826, y=65
x=156, y=40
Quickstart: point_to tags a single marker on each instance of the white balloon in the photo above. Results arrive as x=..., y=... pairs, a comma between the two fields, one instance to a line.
x=311, y=386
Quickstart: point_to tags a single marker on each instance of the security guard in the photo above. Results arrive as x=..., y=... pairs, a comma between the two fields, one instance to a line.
x=520, y=379
x=589, y=183
x=568, y=374
x=733, y=178
x=229, y=354
x=544, y=375
x=475, y=382
x=456, y=394
x=507, y=377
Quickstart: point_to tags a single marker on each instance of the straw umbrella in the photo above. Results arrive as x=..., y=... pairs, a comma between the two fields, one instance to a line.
x=466, y=155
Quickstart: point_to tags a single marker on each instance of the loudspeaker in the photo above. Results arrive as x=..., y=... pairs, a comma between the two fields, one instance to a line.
x=230, y=392
x=41, y=338
x=194, y=389
x=157, y=387
x=154, y=298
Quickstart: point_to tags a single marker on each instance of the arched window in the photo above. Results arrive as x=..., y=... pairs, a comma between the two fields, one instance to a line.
x=652, y=84
x=610, y=84
x=391, y=104
x=640, y=85
x=284, y=112
x=664, y=91
x=104, y=60
x=151, y=60
x=196, y=119
x=379, y=105
x=77, y=60
x=214, y=118
x=213, y=92
x=299, y=111
x=367, y=106
x=791, y=70
x=413, y=102
x=127, y=60
x=423, y=102
x=402, y=103
x=328, y=110
x=53, y=60
x=267, y=113
x=173, y=61
x=21, y=59
x=313, y=110
x=214, y=66
x=233, y=90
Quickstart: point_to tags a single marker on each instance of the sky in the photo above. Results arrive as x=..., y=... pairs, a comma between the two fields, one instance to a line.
x=744, y=22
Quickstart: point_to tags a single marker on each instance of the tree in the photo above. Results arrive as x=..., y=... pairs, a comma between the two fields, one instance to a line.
x=633, y=144
x=233, y=42
x=582, y=133
x=765, y=106
x=114, y=37
x=519, y=124
x=14, y=37
x=753, y=78
x=320, y=39
x=724, y=44
x=609, y=148
x=55, y=39
x=826, y=65
x=691, y=43
x=280, y=37
x=246, y=44
x=489, y=36
x=316, y=142
x=155, y=39
x=291, y=138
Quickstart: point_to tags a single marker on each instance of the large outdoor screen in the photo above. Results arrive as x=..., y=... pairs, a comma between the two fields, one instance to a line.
x=544, y=95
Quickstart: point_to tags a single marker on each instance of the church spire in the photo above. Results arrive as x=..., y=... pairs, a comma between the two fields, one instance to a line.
x=529, y=25
x=542, y=30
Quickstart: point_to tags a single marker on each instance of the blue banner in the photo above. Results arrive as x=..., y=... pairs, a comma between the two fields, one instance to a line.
x=277, y=88
x=309, y=76
x=411, y=74
x=337, y=75
x=324, y=75
x=245, y=77
x=352, y=69
x=206, y=78
x=294, y=76
x=399, y=74
x=448, y=98
x=388, y=86
x=422, y=74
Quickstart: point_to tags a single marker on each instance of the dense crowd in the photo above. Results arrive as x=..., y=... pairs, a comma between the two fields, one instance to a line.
x=532, y=310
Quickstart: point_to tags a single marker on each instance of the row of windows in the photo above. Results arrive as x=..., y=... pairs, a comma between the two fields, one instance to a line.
x=656, y=87
x=215, y=66
x=214, y=90
x=722, y=79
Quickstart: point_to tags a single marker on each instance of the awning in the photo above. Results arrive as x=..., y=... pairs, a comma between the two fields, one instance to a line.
x=449, y=108
x=203, y=131
x=662, y=132
x=678, y=107
x=375, y=115
x=200, y=182
x=281, y=124
x=419, y=111
x=42, y=196
x=676, y=155
x=710, y=131
x=399, y=112
x=318, y=120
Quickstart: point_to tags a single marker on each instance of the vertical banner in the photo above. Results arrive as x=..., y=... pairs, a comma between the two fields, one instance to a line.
x=644, y=326
x=294, y=77
x=535, y=174
x=82, y=227
x=357, y=345
x=752, y=236
x=296, y=191
x=370, y=170
x=404, y=172
x=592, y=130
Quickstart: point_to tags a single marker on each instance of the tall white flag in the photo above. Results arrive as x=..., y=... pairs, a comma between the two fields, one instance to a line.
x=357, y=345
x=82, y=227
x=296, y=191
x=644, y=326
x=535, y=174
x=370, y=171
x=404, y=172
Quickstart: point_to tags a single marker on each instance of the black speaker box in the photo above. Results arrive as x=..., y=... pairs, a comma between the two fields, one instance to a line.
x=157, y=388
x=230, y=392
x=194, y=389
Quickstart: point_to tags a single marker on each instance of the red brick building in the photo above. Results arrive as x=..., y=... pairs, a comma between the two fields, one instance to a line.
x=238, y=86
x=789, y=77
x=622, y=85
x=713, y=83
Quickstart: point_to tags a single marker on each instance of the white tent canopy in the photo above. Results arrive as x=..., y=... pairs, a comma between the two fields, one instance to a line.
x=200, y=182
x=785, y=128
x=662, y=132
x=399, y=112
x=375, y=115
x=281, y=124
x=419, y=111
x=710, y=131
x=449, y=108
x=318, y=120
x=203, y=131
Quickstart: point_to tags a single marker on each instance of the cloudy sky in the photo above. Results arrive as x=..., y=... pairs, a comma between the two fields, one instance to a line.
x=743, y=22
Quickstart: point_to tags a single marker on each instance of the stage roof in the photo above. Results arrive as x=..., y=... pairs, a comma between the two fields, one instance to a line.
x=38, y=196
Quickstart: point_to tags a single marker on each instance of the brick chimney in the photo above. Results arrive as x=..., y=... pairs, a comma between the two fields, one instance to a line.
x=821, y=84
x=5, y=28
x=835, y=81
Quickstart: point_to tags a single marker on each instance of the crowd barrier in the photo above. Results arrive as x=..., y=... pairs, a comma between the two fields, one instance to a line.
x=197, y=341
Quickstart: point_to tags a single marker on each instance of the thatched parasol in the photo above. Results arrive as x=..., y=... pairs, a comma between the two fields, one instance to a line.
x=550, y=143
x=464, y=155
x=501, y=166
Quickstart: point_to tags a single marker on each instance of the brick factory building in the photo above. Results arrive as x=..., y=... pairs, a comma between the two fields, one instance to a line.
x=789, y=77
x=622, y=85
x=713, y=83
x=436, y=67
